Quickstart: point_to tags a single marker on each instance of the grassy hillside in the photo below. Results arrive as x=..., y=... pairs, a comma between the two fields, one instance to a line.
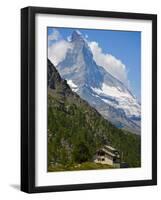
x=76, y=130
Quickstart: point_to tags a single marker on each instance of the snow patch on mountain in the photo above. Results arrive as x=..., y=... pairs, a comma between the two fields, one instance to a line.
x=73, y=86
x=123, y=100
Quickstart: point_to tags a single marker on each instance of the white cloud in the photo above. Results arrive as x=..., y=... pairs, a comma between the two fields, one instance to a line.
x=109, y=63
x=57, y=51
x=86, y=36
x=55, y=35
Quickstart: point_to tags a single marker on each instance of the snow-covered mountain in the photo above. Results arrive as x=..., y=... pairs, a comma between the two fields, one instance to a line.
x=98, y=87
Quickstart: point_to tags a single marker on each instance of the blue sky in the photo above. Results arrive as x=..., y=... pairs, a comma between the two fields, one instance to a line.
x=123, y=45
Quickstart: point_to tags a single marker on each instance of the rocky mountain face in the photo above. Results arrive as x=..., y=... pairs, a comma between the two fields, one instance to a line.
x=109, y=96
x=76, y=130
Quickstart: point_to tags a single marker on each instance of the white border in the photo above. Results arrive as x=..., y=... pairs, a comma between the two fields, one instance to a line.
x=91, y=176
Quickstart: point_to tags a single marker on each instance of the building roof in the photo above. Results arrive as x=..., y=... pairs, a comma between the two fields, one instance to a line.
x=108, y=152
x=109, y=147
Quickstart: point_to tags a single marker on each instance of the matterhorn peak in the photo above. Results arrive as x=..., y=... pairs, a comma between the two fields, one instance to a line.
x=76, y=36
